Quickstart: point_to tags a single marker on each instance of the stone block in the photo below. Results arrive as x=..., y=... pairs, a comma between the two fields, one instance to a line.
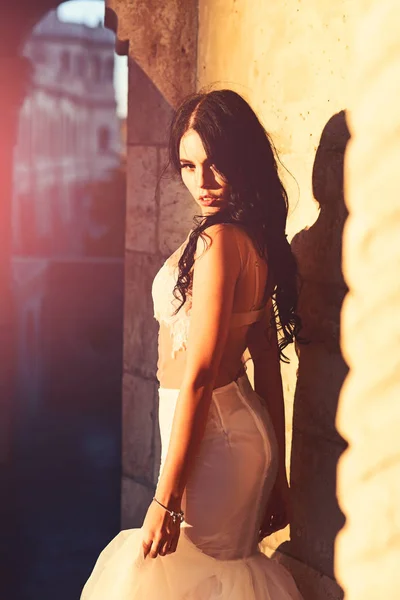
x=136, y=499
x=140, y=327
x=149, y=113
x=138, y=415
x=177, y=208
x=162, y=40
x=141, y=207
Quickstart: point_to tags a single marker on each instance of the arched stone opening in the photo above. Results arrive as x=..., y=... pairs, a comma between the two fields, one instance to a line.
x=64, y=284
x=295, y=70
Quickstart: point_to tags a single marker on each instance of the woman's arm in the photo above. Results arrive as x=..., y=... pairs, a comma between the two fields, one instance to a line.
x=264, y=352
x=215, y=274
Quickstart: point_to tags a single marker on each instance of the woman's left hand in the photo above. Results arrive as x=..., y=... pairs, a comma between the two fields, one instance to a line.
x=160, y=533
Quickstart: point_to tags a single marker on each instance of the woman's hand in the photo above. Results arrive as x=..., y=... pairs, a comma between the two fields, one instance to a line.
x=160, y=533
x=278, y=510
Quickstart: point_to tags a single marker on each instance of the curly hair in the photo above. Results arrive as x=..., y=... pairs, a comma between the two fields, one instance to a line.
x=242, y=152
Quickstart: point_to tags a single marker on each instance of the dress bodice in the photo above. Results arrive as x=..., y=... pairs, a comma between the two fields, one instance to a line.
x=165, y=303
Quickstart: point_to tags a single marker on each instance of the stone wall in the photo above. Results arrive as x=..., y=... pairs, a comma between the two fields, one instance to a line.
x=368, y=548
x=290, y=61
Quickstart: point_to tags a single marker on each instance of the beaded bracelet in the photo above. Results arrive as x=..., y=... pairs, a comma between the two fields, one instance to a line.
x=176, y=516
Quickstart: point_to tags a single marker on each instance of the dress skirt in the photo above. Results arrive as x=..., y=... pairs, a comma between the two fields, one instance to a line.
x=217, y=557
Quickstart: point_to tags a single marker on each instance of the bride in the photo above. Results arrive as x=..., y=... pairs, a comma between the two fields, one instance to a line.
x=222, y=297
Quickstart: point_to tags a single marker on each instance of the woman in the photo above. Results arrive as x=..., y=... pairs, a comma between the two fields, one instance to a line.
x=222, y=485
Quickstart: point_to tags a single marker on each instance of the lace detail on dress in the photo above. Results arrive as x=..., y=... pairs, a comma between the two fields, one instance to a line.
x=165, y=304
x=179, y=333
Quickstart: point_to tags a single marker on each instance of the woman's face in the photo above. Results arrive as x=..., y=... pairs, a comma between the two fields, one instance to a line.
x=209, y=190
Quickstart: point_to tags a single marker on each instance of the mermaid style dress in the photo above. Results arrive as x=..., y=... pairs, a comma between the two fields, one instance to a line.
x=217, y=557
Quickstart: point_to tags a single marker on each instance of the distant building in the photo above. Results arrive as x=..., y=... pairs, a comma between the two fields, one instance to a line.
x=69, y=135
x=68, y=300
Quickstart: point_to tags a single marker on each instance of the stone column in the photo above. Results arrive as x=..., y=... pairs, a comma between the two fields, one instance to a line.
x=160, y=39
x=368, y=547
x=147, y=122
x=157, y=220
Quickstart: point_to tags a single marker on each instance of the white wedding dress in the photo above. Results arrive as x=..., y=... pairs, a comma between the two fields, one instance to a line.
x=217, y=557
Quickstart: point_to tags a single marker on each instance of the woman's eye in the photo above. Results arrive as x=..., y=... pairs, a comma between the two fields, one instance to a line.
x=187, y=166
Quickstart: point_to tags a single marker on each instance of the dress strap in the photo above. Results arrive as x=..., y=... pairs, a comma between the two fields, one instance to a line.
x=253, y=315
x=246, y=318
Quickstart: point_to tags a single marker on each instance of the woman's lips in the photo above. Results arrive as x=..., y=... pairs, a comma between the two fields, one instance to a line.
x=207, y=200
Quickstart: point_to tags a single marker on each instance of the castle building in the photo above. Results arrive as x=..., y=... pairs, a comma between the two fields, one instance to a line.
x=69, y=135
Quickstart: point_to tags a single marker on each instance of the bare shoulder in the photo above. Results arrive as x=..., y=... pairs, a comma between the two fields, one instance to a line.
x=220, y=239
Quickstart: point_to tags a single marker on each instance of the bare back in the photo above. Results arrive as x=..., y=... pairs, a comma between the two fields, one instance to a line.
x=250, y=294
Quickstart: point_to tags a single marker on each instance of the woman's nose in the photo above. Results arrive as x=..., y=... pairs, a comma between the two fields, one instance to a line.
x=202, y=178
x=199, y=177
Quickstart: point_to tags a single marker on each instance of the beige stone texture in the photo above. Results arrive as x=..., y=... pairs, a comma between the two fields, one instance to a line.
x=141, y=209
x=149, y=122
x=177, y=209
x=368, y=548
x=289, y=60
x=140, y=327
x=140, y=402
x=292, y=69
x=316, y=445
x=162, y=39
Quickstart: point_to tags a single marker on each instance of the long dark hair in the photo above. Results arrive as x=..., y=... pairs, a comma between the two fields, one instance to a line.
x=241, y=151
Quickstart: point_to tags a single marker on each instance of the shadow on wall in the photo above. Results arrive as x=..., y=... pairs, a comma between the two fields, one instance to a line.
x=316, y=444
